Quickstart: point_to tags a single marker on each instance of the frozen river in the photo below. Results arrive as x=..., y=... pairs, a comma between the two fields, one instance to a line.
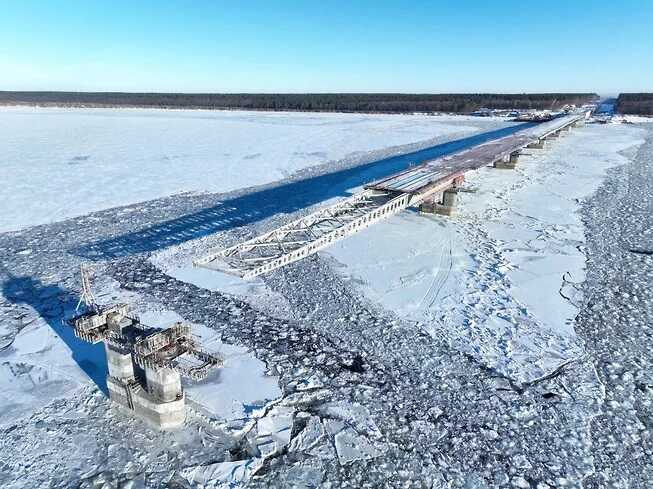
x=386, y=370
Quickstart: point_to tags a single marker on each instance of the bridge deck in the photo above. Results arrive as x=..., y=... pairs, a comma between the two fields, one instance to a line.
x=420, y=177
x=307, y=235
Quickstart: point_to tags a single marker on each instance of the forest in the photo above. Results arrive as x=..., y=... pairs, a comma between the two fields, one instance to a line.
x=635, y=103
x=325, y=102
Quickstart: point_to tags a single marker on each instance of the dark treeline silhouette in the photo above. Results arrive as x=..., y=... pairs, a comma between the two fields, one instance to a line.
x=327, y=102
x=635, y=103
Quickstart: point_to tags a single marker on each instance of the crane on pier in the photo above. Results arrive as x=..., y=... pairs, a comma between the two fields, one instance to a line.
x=145, y=364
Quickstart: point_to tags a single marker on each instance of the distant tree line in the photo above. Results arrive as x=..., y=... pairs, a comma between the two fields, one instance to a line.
x=635, y=103
x=340, y=102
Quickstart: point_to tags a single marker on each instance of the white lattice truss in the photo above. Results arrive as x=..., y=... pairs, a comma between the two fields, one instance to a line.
x=307, y=235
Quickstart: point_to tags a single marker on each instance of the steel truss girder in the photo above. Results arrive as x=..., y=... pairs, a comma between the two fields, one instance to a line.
x=306, y=235
x=321, y=228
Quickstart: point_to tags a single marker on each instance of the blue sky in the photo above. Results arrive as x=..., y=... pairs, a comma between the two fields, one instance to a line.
x=327, y=46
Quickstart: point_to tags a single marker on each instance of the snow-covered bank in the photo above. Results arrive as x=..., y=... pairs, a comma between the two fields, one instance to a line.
x=59, y=163
x=498, y=282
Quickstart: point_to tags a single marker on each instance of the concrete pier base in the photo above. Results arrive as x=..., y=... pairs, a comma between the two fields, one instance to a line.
x=163, y=415
x=504, y=165
x=119, y=363
x=163, y=403
x=442, y=204
x=445, y=210
x=428, y=206
x=537, y=145
x=507, y=163
x=163, y=384
x=130, y=395
x=143, y=373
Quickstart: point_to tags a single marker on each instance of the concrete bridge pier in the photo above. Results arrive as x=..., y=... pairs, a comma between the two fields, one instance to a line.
x=119, y=363
x=449, y=201
x=428, y=205
x=163, y=383
x=538, y=145
x=121, y=375
x=443, y=203
x=508, y=163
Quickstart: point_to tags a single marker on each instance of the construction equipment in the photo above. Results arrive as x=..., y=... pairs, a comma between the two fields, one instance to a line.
x=175, y=348
x=145, y=364
x=87, y=298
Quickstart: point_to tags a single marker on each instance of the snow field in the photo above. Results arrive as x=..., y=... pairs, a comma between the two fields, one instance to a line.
x=58, y=163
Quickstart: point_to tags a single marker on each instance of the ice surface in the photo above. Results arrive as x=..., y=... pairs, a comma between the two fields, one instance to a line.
x=235, y=389
x=221, y=474
x=491, y=280
x=45, y=361
x=352, y=446
x=271, y=435
x=309, y=437
x=58, y=163
x=273, y=430
x=353, y=431
x=232, y=391
x=413, y=411
x=177, y=262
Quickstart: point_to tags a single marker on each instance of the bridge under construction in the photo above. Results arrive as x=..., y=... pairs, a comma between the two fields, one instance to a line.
x=431, y=186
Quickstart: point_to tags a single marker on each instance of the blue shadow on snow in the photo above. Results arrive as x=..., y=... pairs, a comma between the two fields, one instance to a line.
x=266, y=202
x=52, y=303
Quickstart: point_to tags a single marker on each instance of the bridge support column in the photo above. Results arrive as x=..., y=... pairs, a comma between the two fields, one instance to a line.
x=444, y=206
x=449, y=200
x=508, y=164
x=428, y=205
x=119, y=363
x=538, y=145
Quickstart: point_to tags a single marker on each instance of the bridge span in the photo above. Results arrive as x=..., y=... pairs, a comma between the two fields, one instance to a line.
x=431, y=186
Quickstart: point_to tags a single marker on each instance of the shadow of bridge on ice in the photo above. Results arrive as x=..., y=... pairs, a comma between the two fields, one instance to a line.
x=272, y=199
